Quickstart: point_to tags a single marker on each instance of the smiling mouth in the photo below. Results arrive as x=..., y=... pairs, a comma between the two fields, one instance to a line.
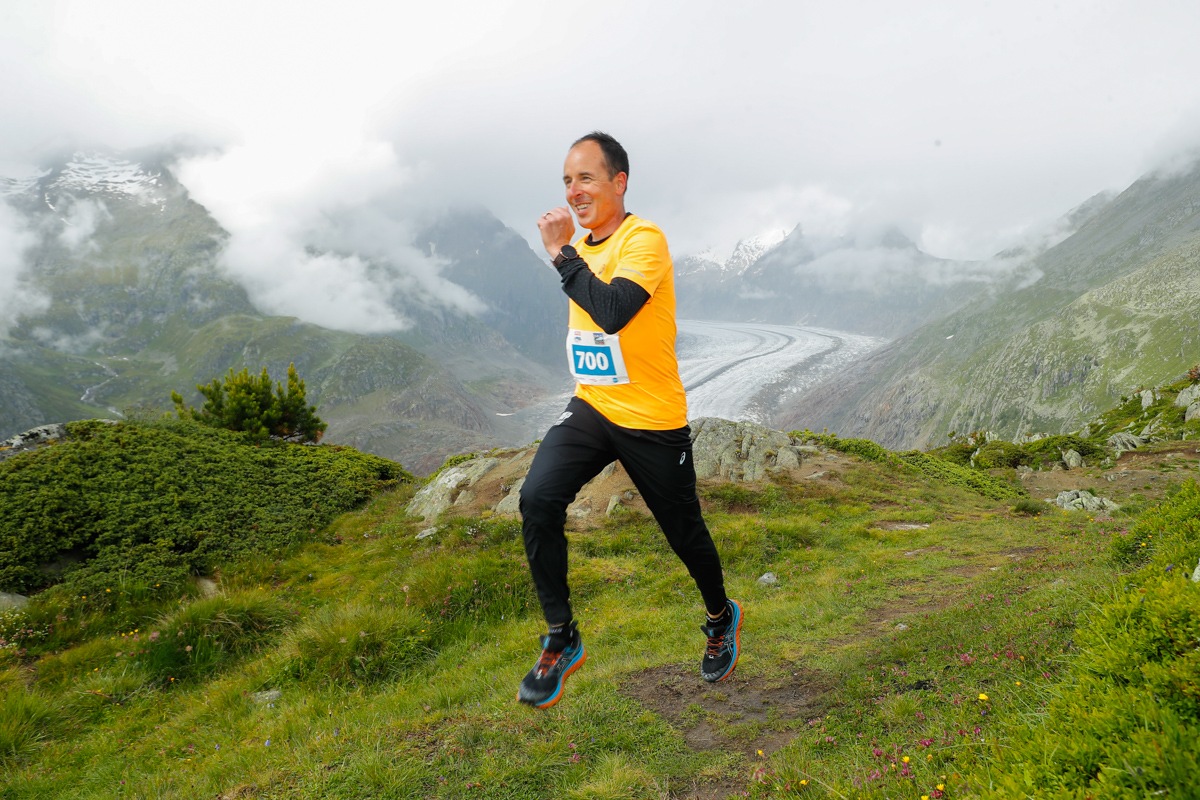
x=582, y=207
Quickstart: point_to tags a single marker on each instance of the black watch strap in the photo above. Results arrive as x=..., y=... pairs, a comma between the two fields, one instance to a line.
x=566, y=254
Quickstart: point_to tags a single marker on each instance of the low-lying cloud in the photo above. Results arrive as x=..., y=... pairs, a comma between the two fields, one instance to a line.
x=80, y=219
x=325, y=238
x=17, y=297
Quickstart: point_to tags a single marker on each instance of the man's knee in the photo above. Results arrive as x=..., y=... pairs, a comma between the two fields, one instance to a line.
x=539, y=505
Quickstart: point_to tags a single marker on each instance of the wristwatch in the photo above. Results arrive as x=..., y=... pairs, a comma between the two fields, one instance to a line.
x=566, y=254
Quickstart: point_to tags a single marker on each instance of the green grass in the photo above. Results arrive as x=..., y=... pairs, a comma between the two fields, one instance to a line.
x=370, y=664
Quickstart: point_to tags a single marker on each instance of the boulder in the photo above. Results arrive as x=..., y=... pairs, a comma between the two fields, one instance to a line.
x=12, y=601
x=1072, y=459
x=1193, y=412
x=1149, y=396
x=741, y=451
x=1188, y=396
x=440, y=493
x=511, y=504
x=1083, y=500
x=1122, y=442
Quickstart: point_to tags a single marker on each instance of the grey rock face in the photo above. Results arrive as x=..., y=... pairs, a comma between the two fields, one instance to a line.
x=1123, y=442
x=1188, y=396
x=511, y=504
x=1148, y=397
x=1072, y=459
x=1082, y=500
x=1193, y=412
x=740, y=451
x=440, y=493
x=32, y=439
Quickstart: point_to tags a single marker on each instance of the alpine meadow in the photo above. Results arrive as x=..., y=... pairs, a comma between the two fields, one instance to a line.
x=968, y=561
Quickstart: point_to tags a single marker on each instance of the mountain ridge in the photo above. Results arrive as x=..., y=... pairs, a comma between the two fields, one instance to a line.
x=1113, y=308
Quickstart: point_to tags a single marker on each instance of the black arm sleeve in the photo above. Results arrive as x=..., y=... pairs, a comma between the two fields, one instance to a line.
x=610, y=305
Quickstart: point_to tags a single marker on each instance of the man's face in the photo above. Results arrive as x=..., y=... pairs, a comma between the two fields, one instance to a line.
x=597, y=200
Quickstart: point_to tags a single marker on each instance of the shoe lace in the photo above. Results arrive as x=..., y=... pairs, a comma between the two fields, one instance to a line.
x=547, y=660
x=715, y=645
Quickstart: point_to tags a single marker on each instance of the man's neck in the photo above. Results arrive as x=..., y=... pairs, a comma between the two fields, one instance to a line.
x=598, y=235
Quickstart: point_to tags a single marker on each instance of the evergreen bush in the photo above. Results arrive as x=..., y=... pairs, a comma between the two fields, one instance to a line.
x=118, y=515
x=244, y=403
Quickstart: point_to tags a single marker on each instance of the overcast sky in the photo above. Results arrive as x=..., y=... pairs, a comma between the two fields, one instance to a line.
x=966, y=123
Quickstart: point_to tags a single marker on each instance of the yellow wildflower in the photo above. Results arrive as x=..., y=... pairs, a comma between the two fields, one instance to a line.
x=983, y=697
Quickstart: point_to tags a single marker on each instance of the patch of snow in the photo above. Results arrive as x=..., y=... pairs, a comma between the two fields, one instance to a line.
x=107, y=175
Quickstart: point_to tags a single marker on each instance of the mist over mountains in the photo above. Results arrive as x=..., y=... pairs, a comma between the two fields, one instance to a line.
x=1112, y=308
x=873, y=281
x=419, y=331
x=119, y=289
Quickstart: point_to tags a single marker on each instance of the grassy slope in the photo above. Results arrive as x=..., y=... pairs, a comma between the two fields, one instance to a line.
x=396, y=661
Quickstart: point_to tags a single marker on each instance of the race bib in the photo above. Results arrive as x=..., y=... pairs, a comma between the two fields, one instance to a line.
x=596, y=358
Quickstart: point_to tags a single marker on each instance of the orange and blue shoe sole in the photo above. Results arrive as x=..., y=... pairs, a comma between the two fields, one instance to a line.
x=575, y=664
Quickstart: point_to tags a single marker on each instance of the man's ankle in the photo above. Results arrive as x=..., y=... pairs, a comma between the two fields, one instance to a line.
x=560, y=635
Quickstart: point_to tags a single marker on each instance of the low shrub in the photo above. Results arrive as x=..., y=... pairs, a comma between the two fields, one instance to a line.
x=997, y=454
x=925, y=464
x=1030, y=507
x=123, y=514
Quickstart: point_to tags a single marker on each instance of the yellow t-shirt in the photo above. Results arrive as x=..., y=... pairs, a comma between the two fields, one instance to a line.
x=653, y=399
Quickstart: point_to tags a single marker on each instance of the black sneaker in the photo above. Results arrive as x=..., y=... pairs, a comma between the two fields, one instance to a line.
x=543, y=686
x=724, y=644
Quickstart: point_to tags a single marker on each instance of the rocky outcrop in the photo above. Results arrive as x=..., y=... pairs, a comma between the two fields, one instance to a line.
x=1189, y=399
x=1188, y=396
x=440, y=493
x=1072, y=459
x=1123, y=442
x=1083, y=500
x=32, y=439
x=722, y=450
x=742, y=451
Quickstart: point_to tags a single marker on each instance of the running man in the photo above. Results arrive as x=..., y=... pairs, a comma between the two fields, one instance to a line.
x=629, y=406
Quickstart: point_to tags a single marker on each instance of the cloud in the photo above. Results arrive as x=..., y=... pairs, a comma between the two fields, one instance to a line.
x=17, y=297
x=971, y=123
x=80, y=220
x=321, y=233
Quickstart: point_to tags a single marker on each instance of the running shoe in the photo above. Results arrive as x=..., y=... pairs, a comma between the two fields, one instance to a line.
x=724, y=644
x=562, y=654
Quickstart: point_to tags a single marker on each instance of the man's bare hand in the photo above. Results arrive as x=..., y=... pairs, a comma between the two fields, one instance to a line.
x=557, y=228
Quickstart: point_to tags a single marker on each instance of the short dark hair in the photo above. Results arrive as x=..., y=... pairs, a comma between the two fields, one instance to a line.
x=614, y=155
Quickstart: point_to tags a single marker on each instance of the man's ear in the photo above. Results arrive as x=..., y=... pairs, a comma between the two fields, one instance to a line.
x=620, y=181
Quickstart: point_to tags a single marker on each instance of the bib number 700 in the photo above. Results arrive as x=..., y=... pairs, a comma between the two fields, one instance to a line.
x=593, y=361
x=596, y=358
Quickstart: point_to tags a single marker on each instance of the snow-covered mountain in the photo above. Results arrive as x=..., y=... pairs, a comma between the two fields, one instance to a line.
x=877, y=283
x=90, y=174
